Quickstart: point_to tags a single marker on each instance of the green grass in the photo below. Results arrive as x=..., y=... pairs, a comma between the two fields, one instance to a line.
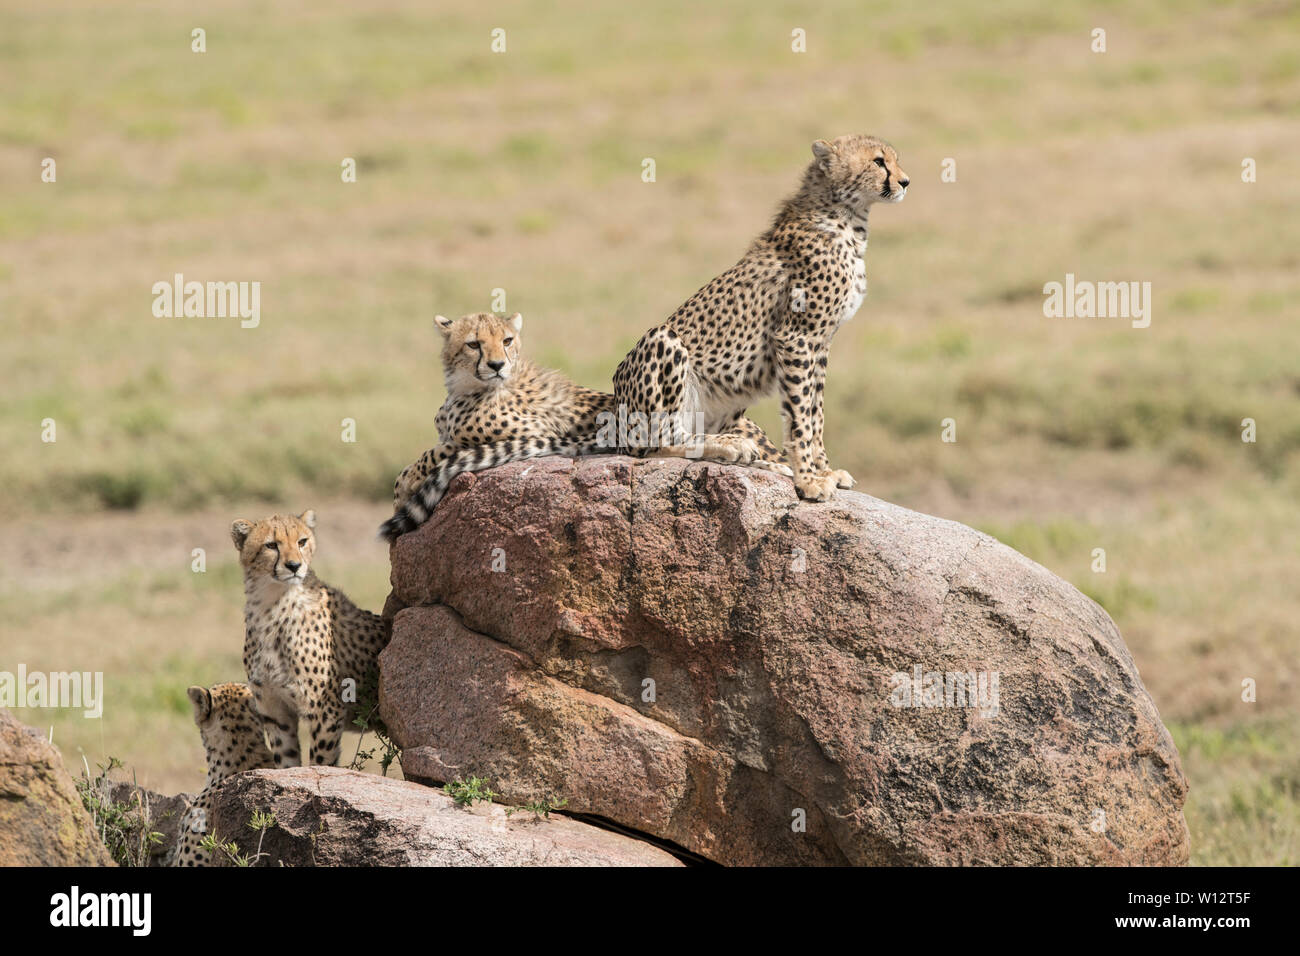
x=1246, y=812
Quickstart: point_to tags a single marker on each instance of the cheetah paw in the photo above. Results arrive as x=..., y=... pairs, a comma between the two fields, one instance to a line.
x=841, y=478
x=779, y=467
x=742, y=451
x=815, y=487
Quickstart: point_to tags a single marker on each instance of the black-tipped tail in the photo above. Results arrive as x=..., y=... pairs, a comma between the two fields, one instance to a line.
x=409, y=517
x=422, y=503
x=395, y=527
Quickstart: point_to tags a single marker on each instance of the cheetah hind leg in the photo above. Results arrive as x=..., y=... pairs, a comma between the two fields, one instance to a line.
x=655, y=380
x=731, y=449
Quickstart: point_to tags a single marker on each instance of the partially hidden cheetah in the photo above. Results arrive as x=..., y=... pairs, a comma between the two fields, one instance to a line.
x=308, y=650
x=766, y=324
x=500, y=407
x=232, y=738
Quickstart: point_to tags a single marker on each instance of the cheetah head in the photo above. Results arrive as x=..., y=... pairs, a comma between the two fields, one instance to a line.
x=860, y=171
x=480, y=350
x=230, y=728
x=279, y=547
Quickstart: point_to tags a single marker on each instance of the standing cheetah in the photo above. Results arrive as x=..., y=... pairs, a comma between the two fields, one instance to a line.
x=232, y=738
x=766, y=324
x=307, y=648
x=500, y=407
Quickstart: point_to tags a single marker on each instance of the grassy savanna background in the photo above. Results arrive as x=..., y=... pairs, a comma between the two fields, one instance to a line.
x=522, y=171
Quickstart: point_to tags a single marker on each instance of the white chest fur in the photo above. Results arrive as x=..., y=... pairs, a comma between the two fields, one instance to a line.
x=857, y=291
x=273, y=614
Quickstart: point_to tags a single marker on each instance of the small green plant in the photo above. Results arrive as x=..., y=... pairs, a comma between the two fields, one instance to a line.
x=367, y=720
x=540, y=808
x=261, y=822
x=125, y=828
x=468, y=792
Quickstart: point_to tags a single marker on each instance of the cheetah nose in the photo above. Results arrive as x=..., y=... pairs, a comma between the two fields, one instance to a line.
x=293, y=566
x=497, y=365
x=904, y=182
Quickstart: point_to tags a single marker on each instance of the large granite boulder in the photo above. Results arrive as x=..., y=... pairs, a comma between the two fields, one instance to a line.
x=688, y=650
x=42, y=819
x=328, y=816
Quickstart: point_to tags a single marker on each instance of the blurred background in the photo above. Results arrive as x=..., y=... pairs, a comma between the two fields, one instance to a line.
x=521, y=171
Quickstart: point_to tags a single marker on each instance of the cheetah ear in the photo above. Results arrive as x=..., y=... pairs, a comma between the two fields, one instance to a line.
x=202, y=701
x=517, y=321
x=443, y=323
x=308, y=518
x=239, y=533
x=823, y=151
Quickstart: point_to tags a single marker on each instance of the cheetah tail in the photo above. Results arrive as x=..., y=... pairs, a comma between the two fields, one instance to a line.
x=420, y=506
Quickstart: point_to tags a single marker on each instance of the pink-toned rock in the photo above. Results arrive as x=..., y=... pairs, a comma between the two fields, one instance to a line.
x=687, y=649
x=328, y=816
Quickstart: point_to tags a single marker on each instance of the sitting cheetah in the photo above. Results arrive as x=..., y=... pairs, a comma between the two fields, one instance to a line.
x=304, y=640
x=766, y=323
x=500, y=407
x=232, y=737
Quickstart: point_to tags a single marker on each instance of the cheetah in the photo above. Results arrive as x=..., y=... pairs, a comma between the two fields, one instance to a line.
x=766, y=324
x=500, y=407
x=307, y=648
x=232, y=737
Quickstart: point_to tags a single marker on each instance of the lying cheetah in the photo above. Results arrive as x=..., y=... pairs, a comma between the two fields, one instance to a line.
x=500, y=407
x=232, y=737
x=307, y=648
x=766, y=323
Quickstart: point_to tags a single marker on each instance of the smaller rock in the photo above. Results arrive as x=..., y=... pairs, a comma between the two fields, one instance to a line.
x=42, y=818
x=160, y=813
x=328, y=816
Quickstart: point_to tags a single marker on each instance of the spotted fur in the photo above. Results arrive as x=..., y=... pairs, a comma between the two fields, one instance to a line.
x=232, y=739
x=302, y=639
x=500, y=407
x=766, y=324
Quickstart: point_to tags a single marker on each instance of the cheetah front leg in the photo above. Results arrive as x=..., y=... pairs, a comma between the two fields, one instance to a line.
x=800, y=409
x=821, y=465
x=326, y=725
x=280, y=722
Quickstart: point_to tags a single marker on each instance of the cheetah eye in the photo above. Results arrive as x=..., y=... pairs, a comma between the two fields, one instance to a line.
x=272, y=546
x=473, y=345
x=880, y=161
x=302, y=542
x=507, y=341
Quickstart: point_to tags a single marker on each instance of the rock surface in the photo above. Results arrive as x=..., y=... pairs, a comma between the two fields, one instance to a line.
x=328, y=816
x=42, y=819
x=686, y=649
x=160, y=813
